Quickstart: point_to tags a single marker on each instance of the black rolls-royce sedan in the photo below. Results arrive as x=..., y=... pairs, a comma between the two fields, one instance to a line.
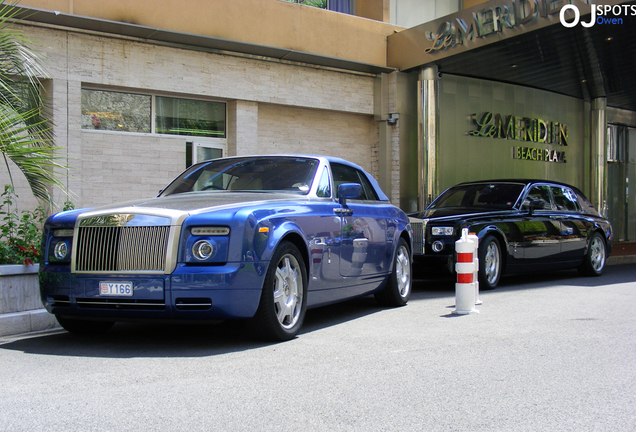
x=522, y=225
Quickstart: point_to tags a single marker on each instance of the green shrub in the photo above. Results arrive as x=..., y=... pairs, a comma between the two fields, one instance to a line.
x=20, y=234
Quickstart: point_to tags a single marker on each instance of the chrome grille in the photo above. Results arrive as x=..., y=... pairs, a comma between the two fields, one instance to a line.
x=418, y=226
x=121, y=248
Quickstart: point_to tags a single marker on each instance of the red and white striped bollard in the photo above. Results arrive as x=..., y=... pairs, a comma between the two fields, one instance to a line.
x=466, y=269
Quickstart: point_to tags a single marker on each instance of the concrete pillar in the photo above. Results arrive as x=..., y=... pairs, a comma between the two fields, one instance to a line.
x=242, y=128
x=387, y=114
x=428, y=92
x=63, y=107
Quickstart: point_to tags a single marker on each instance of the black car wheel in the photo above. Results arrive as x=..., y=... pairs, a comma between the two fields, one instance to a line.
x=594, y=261
x=398, y=287
x=83, y=326
x=490, y=263
x=283, y=303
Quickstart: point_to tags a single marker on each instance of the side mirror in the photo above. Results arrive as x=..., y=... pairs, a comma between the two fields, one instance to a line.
x=348, y=191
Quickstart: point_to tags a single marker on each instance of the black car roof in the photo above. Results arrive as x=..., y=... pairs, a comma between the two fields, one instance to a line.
x=520, y=181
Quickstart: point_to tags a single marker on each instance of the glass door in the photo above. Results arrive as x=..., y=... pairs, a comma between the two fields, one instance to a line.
x=621, y=181
x=197, y=151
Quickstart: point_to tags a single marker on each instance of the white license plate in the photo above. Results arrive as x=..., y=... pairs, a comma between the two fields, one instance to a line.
x=116, y=289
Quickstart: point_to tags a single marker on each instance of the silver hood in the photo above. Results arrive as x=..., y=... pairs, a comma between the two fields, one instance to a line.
x=177, y=207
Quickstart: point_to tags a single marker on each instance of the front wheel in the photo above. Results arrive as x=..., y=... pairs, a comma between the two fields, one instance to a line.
x=283, y=303
x=83, y=326
x=398, y=287
x=490, y=263
x=594, y=261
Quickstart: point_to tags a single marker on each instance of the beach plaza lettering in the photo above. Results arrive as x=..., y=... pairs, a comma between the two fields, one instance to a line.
x=537, y=154
x=491, y=21
x=519, y=129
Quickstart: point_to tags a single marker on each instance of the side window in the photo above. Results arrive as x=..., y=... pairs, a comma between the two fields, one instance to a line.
x=539, y=193
x=324, y=188
x=565, y=199
x=346, y=174
x=367, y=189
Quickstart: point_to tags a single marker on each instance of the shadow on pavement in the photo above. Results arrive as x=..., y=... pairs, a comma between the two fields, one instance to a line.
x=178, y=340
x=442, y=284
x=153, y=340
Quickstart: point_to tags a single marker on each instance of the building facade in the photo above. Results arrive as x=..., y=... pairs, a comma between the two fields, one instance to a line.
x=470, y=90
x=524, y=89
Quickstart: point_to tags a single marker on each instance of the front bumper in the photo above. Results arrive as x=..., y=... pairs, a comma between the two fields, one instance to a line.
x=189, y=293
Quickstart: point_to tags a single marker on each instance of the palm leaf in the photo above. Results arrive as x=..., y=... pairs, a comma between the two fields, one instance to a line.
x=35, y=157
x=25, y=135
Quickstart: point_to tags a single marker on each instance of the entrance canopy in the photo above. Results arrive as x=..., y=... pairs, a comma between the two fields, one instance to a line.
x=525, y=42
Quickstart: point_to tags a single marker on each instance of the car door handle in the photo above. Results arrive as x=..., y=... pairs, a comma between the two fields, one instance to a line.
x=343, y=211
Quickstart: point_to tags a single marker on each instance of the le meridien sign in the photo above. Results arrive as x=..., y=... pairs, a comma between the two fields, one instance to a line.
x=493, y=21
x=490, y=21
x=524, y=129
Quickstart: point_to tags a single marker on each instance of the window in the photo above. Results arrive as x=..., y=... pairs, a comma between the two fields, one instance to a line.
x=288, y=174
x=130, y=112
x=565, y=199
x=189, y=117
x=324, y=188
x=346, y=174
x=115, y=111
x=342, y=6
x=539, y=193
x=322, y=4
x=201, y=151
x=501, y=195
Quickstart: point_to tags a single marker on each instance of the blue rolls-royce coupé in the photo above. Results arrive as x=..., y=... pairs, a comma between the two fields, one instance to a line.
x=259, y=238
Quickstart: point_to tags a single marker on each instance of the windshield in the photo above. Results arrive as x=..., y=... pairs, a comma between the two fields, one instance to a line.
x=278, y=173
x=497, y=195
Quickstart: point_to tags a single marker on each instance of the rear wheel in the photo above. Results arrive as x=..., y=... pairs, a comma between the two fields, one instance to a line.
x=283, y=303
x=594, y=261
x=84, y=326
x=398, y=287
x=490, y=263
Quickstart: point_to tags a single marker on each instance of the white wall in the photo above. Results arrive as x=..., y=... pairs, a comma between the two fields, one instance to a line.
x=409, y=13
x=272, y=107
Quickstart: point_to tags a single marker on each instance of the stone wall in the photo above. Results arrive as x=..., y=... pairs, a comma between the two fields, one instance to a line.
x=271, y=107
x=20, y=305
x=19, y=288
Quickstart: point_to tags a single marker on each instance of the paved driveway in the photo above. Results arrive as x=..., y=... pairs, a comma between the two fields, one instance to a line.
x=545, y=353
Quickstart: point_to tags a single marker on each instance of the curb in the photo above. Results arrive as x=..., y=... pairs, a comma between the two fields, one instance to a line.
x=621, y=259
x=26, y=322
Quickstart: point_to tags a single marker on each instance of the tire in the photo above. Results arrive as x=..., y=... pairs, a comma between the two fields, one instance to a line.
x=490, y=263
x=595, y=258
x=398, y=286
x=83, y=326
x=283, y=303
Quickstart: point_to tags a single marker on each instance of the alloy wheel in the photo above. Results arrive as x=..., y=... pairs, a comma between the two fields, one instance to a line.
x=492, y=264
x=288, y=291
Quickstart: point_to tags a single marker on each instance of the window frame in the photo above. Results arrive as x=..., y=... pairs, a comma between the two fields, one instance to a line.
x=153, y=113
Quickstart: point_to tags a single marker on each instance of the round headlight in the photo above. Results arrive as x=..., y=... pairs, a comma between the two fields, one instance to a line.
x=61, y=250
x=437, y=246
x=203, y=250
